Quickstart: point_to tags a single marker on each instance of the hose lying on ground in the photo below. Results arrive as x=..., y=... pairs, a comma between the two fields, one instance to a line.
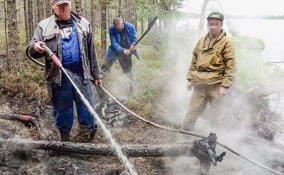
x=172, y=129
x=187, y=133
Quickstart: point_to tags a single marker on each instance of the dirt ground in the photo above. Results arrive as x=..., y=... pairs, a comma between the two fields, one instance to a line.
x=25, y=161
x=16, y=160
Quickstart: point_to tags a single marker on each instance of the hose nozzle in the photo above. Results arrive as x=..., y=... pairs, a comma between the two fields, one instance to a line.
x=52, y=55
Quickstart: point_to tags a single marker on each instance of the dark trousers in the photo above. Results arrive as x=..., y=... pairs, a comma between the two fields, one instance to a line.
x=125, y=63
x=62, y=101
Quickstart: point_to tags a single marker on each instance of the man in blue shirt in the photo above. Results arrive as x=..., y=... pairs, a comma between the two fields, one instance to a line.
x=70, y=37
x=122, y=37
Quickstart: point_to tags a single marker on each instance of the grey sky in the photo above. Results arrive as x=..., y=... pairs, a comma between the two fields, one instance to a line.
x=241, y=7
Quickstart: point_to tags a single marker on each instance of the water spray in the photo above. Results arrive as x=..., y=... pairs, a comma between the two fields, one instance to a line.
x=107, y=133
x=54, y=58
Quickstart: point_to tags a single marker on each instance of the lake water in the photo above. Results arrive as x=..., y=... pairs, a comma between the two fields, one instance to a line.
x=270, y=31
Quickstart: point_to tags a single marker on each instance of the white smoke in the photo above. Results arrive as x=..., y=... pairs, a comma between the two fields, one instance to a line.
x=238, y=108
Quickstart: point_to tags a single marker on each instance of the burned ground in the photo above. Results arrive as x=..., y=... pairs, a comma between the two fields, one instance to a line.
x=24, y=160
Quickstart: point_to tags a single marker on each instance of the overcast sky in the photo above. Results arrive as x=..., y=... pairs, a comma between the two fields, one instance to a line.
x=240, y=7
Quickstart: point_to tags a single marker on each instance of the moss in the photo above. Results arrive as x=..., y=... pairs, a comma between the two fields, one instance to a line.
x=249, y=43
x=252, y=70
x=147, y=72
x=27, y=82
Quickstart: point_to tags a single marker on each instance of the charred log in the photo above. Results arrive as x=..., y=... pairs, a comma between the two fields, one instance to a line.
x=143, y=150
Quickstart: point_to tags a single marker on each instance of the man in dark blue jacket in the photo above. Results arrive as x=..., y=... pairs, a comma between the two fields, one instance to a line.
x=122, y=37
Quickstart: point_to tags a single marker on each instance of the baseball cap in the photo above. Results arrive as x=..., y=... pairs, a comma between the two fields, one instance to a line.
x=59, y=2
x=216, y=15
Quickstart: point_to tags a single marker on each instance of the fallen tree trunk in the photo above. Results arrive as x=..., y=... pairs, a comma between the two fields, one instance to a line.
x=6, y=116
x=22, y=118
x=131, y=150
x=5, y=134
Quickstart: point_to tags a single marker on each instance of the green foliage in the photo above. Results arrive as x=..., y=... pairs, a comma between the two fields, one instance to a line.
x=28, y=82
x=249, y=43
x=147, y=9
x=252, y=70
x=148, y=71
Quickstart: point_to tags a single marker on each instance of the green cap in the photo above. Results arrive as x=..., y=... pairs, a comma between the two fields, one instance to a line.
x=59, y=2
x=216, y=15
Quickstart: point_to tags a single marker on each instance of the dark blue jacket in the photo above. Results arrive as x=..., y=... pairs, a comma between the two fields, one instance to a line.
x=115, y=49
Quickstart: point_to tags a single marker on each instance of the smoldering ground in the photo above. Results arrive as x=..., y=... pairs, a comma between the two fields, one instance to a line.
x=241, y=108
x=166, y=77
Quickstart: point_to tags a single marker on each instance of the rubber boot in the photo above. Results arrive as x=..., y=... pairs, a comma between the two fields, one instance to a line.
x=85, y=135
x=65, y=136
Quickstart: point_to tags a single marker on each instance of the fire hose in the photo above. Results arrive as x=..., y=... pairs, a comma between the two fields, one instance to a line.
x=57, y=62
x=114, y=144
x=187, y=133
